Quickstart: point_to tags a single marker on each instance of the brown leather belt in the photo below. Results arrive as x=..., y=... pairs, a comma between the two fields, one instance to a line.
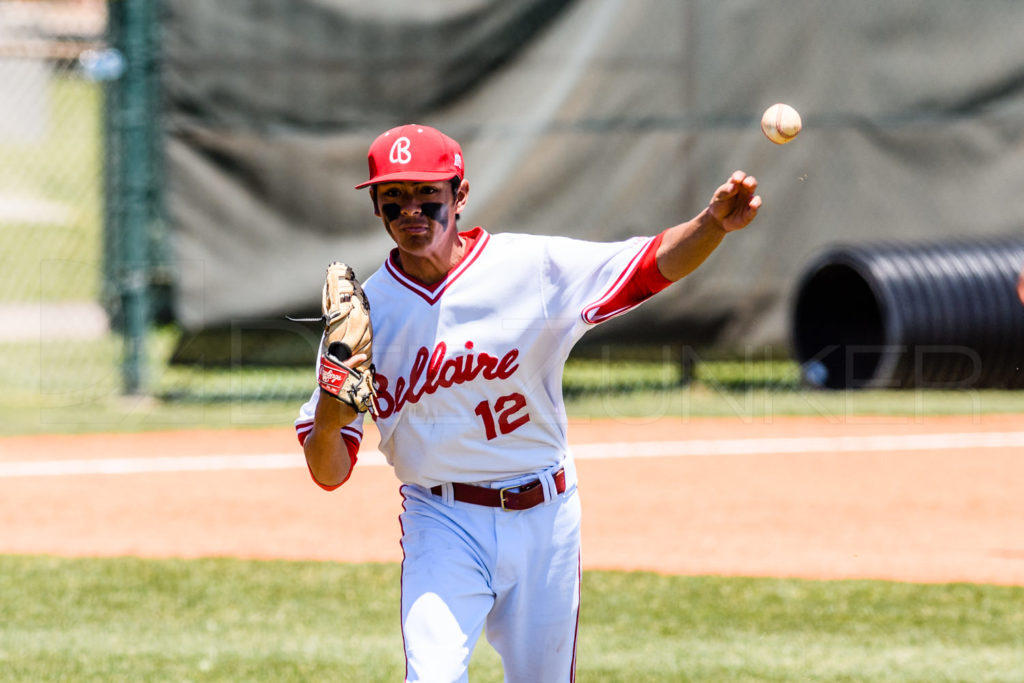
x=519, y=497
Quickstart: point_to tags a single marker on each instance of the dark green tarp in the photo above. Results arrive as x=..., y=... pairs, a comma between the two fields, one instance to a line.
x=599, y=119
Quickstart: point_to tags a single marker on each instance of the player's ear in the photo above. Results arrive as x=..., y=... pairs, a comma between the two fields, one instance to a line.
x=460, y=196
x=373, y=198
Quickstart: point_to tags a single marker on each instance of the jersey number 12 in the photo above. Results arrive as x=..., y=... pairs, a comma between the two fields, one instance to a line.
x=506, y=408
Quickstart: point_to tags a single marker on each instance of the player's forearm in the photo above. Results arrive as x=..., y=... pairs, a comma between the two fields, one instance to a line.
x=687, y=245
x=324, y=447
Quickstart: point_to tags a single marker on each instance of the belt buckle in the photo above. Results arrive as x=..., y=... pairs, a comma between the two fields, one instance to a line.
x=501, y=497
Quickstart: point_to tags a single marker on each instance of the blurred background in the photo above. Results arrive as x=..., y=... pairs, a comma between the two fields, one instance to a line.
x=175, y=176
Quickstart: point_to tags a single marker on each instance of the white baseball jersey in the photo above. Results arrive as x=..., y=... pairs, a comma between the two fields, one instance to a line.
x=469, y=370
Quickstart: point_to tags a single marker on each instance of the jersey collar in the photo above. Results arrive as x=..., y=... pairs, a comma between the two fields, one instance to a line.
x=475, y=240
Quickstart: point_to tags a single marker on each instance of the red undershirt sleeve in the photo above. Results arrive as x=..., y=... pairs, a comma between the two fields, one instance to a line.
x=649, y=280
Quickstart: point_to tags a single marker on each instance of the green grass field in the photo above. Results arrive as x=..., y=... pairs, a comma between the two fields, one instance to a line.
x=233, y=620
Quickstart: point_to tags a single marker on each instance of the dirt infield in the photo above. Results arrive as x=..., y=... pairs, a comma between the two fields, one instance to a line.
x=927, y=500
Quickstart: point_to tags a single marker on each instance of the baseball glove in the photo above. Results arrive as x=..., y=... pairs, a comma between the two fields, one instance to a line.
x=347, y=332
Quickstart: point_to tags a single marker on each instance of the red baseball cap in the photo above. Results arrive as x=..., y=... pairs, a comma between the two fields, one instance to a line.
x=413, y=152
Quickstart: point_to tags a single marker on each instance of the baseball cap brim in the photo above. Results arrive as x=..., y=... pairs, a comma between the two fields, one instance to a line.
x=413, y=176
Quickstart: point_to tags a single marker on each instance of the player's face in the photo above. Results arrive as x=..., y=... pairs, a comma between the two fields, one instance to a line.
x=418, y=216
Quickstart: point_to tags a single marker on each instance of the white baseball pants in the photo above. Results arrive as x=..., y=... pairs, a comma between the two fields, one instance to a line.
x=517, y=573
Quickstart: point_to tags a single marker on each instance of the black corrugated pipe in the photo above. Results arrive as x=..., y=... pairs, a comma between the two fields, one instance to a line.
x=890, y=315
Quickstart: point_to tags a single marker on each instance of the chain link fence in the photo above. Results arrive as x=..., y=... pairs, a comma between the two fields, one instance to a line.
x=51, y=200
x=83, y=253
x=85, y=274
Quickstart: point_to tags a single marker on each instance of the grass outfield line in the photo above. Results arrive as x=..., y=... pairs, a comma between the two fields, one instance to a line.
x=233, y=620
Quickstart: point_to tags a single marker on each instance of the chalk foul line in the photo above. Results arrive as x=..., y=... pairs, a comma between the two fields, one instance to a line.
x=597, y=451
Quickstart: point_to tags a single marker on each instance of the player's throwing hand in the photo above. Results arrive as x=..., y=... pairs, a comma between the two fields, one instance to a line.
x=735, y=204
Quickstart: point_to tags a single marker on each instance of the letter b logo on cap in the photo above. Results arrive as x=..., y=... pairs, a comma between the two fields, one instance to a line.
x=400, y=152
x=413, y=153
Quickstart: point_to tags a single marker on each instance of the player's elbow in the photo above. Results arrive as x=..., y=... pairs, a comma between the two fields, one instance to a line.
x=327, y=477
x=330, y=461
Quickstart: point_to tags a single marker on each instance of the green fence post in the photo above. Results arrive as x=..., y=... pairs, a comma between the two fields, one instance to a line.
x=133, y=171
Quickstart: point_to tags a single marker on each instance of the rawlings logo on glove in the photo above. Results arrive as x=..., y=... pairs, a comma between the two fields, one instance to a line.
x=347, y=332
x=333, y=375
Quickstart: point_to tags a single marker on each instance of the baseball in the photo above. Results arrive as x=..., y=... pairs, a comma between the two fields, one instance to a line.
x=780, y=123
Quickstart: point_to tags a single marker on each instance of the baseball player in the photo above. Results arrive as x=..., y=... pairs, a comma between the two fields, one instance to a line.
x=470, y=334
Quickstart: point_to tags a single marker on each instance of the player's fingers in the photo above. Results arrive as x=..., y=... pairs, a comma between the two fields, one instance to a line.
x=745, y=190
x=724, y=192
x=737, y=181
x=749, y=211
x=743, y=214
x=355, y=360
